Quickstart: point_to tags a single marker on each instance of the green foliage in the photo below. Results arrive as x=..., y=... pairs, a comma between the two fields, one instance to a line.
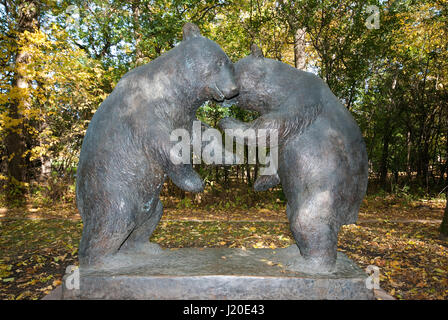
x=393, y=79
x=185, y=203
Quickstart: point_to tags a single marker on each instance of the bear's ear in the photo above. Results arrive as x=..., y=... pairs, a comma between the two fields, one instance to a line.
x=190, y=30
x=255, y=51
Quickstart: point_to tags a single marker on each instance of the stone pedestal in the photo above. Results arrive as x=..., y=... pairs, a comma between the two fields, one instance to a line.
x=216, y=273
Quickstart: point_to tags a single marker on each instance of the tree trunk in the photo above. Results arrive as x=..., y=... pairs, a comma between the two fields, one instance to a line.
x=249, y=181
x=444, y=225
x=226, y=176
x=384, y=158
x=445, y=169
x=217, y=173
x=248, y=175
x=425, y=163
x=137, y=33
x=27, y=13
x=299, y=49
x=45, y=168
x=45, y=161
x=408, y=156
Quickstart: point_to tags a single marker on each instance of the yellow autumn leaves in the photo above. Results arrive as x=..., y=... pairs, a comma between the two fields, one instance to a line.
x=63, y=88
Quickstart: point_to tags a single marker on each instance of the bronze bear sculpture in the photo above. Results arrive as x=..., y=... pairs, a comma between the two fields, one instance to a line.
x=322, y=158
x=125, y=155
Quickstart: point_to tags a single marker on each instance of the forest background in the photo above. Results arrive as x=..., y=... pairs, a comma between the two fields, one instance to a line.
x=385, y=60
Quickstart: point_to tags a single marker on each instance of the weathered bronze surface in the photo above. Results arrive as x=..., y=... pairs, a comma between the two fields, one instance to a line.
x=125, y=156
x=322, y=158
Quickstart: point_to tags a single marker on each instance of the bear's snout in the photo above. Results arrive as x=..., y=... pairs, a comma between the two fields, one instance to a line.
x=225, y=84
x=231, y=92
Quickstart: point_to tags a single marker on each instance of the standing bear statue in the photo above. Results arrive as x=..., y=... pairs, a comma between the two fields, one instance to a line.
x=125, y=155
x=322, y=158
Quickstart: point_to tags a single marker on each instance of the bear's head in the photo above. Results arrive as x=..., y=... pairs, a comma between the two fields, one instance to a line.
x=256, y=78
x=210, y=64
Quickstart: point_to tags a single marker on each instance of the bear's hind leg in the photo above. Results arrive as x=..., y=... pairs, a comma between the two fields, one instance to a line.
x=316, y=234
x=138, y=240
x=103, y=234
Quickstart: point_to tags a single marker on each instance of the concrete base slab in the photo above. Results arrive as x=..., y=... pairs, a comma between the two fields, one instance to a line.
x=218, y=273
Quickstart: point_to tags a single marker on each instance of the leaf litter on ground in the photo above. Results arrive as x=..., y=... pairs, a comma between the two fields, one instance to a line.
x=401, y=238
